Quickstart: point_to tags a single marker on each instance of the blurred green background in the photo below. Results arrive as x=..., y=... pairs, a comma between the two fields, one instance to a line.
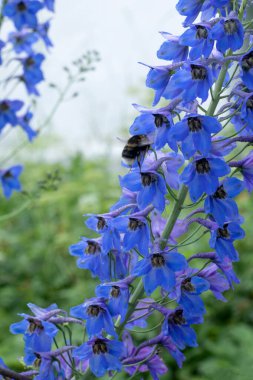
x=36, y=267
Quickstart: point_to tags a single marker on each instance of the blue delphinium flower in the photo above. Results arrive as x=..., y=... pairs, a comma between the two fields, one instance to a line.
x=157, y=123
x=117, y=295
x=91, y=257
x=217, y=281
x=24, y=122
x=191, y=82
x=222, y=240
x=97, y=316
x=178, y=327
x=38, y=331
x=10, y=180
x=22, y=41
x=151, y=186
x=158, y=269
x=195, y=133
x=199, y=38
x=103, y=355
x=49, y=366
x=105, y=225
x=32, y=73
x=190, y=9
x=247, y=69
x=23, y=12
x=228, y=33
x=201, y=175
x=158, y=78
x=8, y=112
x=172, y=49
x=221, y=205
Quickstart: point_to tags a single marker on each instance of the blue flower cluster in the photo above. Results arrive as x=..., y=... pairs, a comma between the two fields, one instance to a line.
x=177, y=149
x=23, y=35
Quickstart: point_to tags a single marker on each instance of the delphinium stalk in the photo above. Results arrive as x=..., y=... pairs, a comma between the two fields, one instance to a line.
x=180, y=157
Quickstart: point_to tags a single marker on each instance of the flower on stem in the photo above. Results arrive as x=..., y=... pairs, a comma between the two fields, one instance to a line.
x=117, y=296
x=201, y=175
x=24, y=122
x=158, y=269
x=221, y=205
x=217, y=282
x=8, y=112
x=97, y=316
x=172, y=49
x=191, y=9
x=23, y=12
x=228, y=33
x=103, y=355
x=193, y=81
x=49, y=364
x=38, y=331
x=199, y=38
x=23, y=41
x=32, y=74
x=195, y=133
x=10, y=180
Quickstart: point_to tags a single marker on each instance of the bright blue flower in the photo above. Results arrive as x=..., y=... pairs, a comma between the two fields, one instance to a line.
x=190, y=299
x=24, y=122
x=155, y=123
x=10, y=180
x=228, y=33
x=202, y=175
x=159, y=269
x=177, y=327
x=172, y=49
x=191, y=9
x=22, y=41
x=8, y=112
x=247, y=69
x=32, y=74
x=136, y=230
x=198, y=37
x=195, y=133
x=151, y=186
x=91, y=257
x=103, y=355
x=97, y=316
x=23, y=12
x=158, y=79
x=221, y=205
x=106, y=225
x=191, y=82
x=222, y=240
x=38, y=332
x=117, y=295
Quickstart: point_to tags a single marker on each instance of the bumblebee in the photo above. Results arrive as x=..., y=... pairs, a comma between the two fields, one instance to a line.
x=135, y=149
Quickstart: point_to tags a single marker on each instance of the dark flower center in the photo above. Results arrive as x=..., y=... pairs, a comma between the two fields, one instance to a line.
x=187, y=285
x=92, y=247
x=4, y=106
x=29, y=62
x=201, y=32
x=115, y=291
x=101, y=223
x=160, y=120
x=223, y=232
x=198, y=72
x=177, y=318
x=247, y=61
x=230, y=26
x=202, y=166
x=194, y=124
x=157, y=260
x=134, y=224
x=99, y=347
x=249, y=103
x=147, y=178
x=220, y=193
x=21, y=6
x=34, y=325
x=94, y=310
